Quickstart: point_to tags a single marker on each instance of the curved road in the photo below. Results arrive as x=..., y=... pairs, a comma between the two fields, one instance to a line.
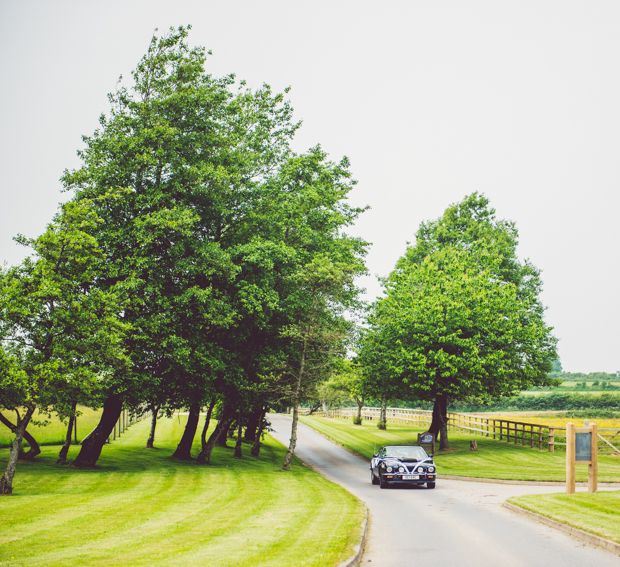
x=458, y=524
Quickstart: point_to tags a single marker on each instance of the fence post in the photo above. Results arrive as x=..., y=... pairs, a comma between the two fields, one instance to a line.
x=516, y=433
x=551, y=439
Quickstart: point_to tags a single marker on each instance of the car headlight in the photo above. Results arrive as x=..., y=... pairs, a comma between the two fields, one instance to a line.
x=401, y=469
x=431, y=469
x=419, y=470
x=389, y=469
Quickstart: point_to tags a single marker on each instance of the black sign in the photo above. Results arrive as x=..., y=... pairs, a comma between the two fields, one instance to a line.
x=583, y=446
x=426, y=438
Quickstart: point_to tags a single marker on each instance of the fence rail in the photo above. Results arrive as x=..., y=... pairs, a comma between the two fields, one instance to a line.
x=533, y=435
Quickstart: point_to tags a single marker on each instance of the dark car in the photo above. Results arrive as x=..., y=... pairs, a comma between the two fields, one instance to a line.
x=402, y=465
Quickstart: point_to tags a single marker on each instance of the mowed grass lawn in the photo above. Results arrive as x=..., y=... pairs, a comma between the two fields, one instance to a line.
x=49, y=430
x=597, y=513
x=142, y=508
x=493, y=459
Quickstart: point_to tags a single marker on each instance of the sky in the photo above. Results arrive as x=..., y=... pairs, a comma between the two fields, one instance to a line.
x=430, y=101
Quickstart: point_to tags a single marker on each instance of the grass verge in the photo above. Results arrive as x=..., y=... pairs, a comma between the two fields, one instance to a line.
x=493, y=459
x=142, y=508
x=595, y=513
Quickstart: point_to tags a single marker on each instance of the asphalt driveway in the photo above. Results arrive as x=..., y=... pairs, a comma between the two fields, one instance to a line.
x=458, y=524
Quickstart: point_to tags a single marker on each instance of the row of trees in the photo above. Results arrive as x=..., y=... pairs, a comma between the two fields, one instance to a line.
x=199, y=262
x=461, y=319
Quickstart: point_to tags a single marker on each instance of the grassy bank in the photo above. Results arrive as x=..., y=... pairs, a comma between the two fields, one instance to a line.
x=596, y=513
x=494, y=459
x=142, y=508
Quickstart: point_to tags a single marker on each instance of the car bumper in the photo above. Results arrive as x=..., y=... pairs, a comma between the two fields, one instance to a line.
x=398, y=479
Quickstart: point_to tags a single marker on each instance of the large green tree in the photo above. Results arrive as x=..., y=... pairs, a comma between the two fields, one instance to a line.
x=221, y=235
x=60, y=333
x=346, y=384
x=189, y=153
x=461, y=317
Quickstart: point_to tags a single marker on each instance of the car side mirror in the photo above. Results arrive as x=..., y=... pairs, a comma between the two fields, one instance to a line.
x=374, y=456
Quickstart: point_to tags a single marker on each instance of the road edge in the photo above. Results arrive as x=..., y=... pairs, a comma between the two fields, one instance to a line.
x=471, y=478
x=526, y=482
x=581, y=535
x=356, y=558
x=359, y=548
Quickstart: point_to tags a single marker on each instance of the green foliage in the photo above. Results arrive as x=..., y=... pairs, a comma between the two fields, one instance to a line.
x=199, y=259
x=345, y=385
x=461, y=316
x=586, y=376
x=553, y=401
x=226, y=241
x=61, y=332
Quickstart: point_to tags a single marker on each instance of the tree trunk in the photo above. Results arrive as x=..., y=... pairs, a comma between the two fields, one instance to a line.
x=358, y=418
x=238, y=447
x=382, y=415
x=150, y=442
x=221, y=428
x=93, y=443
x=439, y=423
x=6, y=481
x=288, y=458
x=64, y=451
x=253, y=424
x=34, y=446
x=205, y=427
x=184, y=448
x=255, y=451
x=223, y=438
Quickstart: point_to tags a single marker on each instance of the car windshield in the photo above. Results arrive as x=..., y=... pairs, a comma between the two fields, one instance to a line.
x=406, y=452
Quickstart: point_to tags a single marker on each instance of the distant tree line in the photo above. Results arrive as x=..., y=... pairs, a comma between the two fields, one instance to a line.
x=586, y=376
x=553, y=401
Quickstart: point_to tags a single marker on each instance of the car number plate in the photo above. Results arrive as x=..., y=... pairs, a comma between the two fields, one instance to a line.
x=411, y=476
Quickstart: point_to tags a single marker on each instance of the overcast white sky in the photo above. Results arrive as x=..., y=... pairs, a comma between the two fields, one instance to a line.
x=430, y=100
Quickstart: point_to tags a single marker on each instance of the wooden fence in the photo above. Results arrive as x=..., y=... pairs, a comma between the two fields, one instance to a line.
x=532, y=435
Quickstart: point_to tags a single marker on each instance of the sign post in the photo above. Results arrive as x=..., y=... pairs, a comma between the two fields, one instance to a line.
x=593, y=466
x=582, y=447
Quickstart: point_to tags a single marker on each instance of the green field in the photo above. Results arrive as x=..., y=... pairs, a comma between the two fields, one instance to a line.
x=596, y=513
x=49, y=430
x=141, y=508
x=494, y=459
x=573, y=391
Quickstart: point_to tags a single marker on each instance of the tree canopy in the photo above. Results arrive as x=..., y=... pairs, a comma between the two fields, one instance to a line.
x=213, y=262
x=461, y=317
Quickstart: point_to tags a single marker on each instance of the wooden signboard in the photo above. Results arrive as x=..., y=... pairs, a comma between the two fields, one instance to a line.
x=581, y=447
